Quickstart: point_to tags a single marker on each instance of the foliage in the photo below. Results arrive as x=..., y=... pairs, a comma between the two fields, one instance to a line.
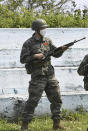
x=46, y=4
x=14, y=15
x=72, y=121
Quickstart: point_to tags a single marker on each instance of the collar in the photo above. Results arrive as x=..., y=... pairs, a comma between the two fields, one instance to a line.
x=41, y=39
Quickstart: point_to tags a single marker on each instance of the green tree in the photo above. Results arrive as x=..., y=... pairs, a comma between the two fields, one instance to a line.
x=14, y=4
x=85, y=17
x=85, y=13
x=46, y=4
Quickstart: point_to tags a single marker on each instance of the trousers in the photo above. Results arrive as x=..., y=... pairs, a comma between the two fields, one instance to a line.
x=37, y=85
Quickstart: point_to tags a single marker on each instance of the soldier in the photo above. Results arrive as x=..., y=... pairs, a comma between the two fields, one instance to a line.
x=83, y=71
x=42, y=74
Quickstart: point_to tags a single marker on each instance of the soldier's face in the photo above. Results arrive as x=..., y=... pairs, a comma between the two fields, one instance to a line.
x=43, y=32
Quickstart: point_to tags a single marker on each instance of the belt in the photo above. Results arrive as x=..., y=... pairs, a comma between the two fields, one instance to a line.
x=40, y=64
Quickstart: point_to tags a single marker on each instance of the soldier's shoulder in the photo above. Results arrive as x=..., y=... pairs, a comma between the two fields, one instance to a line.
x=48, y=39
x=86, y=57
x=28, y=42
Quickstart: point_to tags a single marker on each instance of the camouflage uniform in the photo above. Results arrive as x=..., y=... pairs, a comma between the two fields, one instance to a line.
x=42, y=77
x=83, y=70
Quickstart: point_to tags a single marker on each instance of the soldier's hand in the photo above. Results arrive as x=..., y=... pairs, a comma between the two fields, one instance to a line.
x=64, y=48
x=38, y=56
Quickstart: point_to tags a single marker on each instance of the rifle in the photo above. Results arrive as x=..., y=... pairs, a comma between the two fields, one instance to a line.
x=50, y=53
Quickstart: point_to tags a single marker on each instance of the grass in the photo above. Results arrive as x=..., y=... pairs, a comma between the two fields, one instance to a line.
x=72, y=121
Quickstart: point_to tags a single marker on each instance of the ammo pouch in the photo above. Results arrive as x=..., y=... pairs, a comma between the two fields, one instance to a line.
x=85, y=83
x=28, y=68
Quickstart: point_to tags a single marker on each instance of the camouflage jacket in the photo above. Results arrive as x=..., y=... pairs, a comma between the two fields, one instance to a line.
x=33, y=46
x=83, y=67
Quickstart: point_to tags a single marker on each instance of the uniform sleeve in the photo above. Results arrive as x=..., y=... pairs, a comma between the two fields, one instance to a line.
x=58, y=53
x=25, y=55
x=83, y=67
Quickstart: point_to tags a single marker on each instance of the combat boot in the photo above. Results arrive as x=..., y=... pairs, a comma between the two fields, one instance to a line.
x=24, y=126
x=57, y=125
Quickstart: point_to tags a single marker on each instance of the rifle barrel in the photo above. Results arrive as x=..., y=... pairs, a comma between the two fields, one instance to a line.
x=80, y=39
x=75, y=41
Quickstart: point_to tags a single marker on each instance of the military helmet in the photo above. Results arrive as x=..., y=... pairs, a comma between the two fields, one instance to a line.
x=38, y=24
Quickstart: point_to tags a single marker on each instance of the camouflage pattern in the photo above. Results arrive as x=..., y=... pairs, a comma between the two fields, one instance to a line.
x=39, y=84
x=83, y=71
x=42, y=77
